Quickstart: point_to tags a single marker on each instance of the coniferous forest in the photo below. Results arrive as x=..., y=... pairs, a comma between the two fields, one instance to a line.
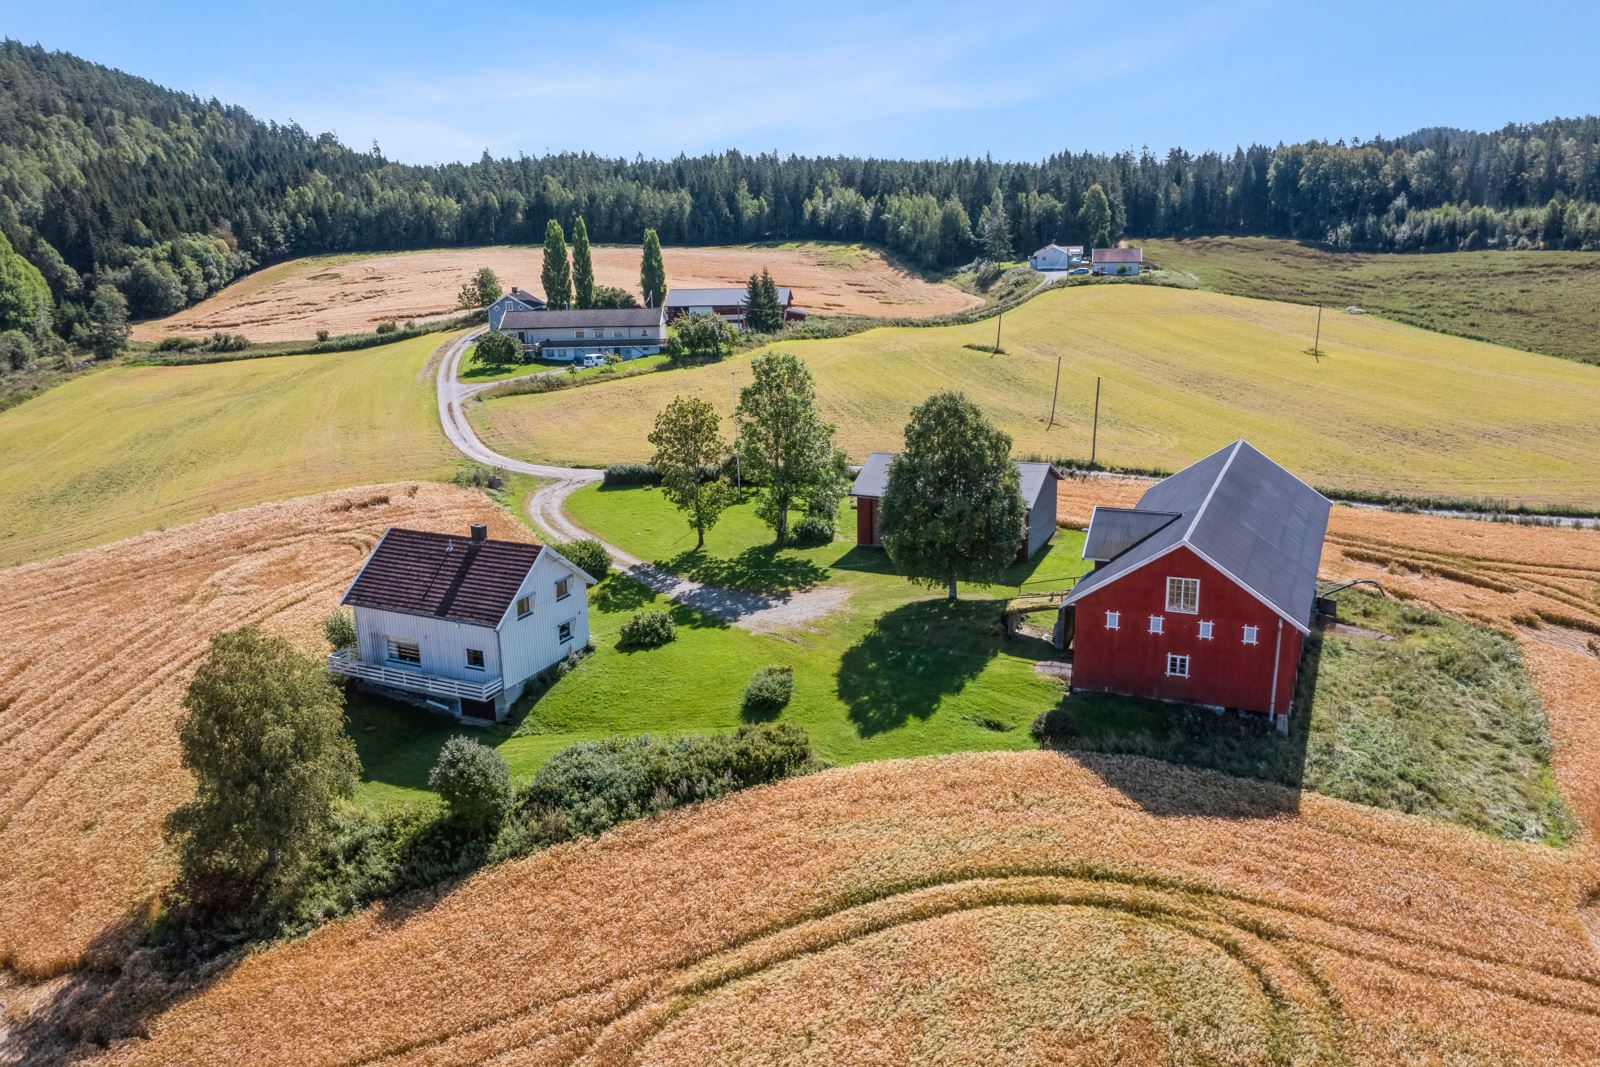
x=110, y=182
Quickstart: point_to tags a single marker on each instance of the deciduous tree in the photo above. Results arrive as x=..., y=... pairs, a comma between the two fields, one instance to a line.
x=953, y=507
x=1095, y=217
x=653, y=272
x=263, y=734
x=495, y=349
x=582, y=265
x=556, y=273
x=688, y=442
x=784, y=444
x=607, y=296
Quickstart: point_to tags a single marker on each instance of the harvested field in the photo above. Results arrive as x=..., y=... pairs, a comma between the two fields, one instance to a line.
x=97, y=649
x=1026, y=908
x=353, y=293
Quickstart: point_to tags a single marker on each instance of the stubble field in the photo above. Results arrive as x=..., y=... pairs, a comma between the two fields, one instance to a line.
x=353, y=293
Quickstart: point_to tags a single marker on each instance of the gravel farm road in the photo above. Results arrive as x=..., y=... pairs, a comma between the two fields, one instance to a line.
x=752, y=611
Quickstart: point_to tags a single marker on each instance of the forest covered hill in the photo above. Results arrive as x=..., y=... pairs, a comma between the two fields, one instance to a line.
x=109, y=179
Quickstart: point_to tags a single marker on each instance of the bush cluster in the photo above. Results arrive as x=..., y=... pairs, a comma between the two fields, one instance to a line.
x=339, y=627
x=769, y=691
x=473, y=781
x=631, y=474
x=477, y=476
x=588, y=554
x=387, y=326
x=812, y=531
x=1054, y=727
x=648, y=629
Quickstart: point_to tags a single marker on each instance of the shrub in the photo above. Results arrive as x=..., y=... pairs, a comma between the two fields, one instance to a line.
x=589, y=554
x=177, y=344
x=474, y=781
x=340, y=629
x=631, y=474
x=386, y=326
x=322, y=335
x=16, y=351
x=221, y=341
x=648, y=629
x=812, y=531
x=477, y=476
x=769, y=691
x=1054, y=727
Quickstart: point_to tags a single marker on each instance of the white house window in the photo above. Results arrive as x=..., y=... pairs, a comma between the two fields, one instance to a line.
x=564, y=631
x=1183, y=594
x=563, y=588
x=1205, y=631
x=405, y=652
x=619, y=333
x=524, y=606
x=1252, y=635
x=1113, y=620
x=1156, y=624
x=579, y=335
x=1177, y=666
x=475, y=658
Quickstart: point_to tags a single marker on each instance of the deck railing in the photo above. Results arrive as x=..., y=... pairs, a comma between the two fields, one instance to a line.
x=345, y=662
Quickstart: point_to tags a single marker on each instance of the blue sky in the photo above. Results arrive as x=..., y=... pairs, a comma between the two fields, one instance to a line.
x=433, y=82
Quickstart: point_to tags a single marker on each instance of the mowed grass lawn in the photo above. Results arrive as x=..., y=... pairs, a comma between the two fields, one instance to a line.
x=1540, y=301
x=896, y=672
x=1388, y=407
x=131, y=449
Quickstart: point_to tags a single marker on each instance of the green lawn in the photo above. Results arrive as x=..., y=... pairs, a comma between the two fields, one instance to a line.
x=1439, y=719
x=896, y=672
x=1389, y=408
x=1540, y=301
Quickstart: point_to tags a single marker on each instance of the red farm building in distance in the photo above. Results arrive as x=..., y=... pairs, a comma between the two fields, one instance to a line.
x=1204, y=592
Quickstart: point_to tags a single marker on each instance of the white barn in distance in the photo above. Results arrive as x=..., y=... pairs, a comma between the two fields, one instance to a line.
x=462, y=624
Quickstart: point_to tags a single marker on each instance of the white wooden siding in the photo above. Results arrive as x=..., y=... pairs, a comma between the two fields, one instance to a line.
x=443, y=643
x=528, y=646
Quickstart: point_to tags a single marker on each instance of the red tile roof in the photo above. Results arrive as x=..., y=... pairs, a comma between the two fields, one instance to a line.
x=446, y=576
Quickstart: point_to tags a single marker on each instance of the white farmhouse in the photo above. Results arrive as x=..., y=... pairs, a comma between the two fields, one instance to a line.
x=515, y=300
x=1056, y=257
x=462, y=623
x=568, y=336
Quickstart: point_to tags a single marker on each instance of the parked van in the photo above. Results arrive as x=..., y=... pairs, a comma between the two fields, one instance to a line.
x=593, y=359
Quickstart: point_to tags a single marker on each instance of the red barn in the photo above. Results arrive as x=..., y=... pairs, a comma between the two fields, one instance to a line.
x=1204, y=591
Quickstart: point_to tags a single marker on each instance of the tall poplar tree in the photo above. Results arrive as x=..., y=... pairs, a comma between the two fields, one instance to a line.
x=556, y=274
x=582, y=265
x=653, y=272
x=953, y=507
x=784, y=444
x=1095, y=217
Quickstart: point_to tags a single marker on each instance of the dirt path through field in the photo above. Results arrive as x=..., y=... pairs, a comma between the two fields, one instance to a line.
x=353, y=293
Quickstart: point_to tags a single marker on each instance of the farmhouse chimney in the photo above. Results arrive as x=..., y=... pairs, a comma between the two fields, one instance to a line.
x=480, y=532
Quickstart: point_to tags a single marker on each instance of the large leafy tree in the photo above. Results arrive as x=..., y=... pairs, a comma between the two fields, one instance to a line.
x=487, y=282
x=264, y=737
x=784, y=444
x=689, y=445
x=107, y=333
x=495, y=350
x=653, y=272
x=24, y=295
x=556, y=273
x=582, y=265
x=762, y=312
x=953, y=508
x=1095, y=217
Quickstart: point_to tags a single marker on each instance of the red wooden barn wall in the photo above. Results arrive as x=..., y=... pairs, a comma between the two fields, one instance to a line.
x=866, y=509
x=1223, y=671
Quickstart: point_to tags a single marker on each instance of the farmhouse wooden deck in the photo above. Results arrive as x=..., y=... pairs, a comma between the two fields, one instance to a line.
x=344, y=662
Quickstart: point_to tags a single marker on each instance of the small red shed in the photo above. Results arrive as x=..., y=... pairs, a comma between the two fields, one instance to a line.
x=1205, y=590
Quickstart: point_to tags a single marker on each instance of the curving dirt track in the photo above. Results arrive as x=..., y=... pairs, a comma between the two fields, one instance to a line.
x=98, y=646
x=353, y=293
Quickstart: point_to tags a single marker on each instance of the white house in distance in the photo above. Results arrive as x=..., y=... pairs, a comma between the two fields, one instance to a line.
x=1116, y=260
x=727, y=301
x=462, y=624
x=1038, y=486
x=1056, y=257
x=515, y=300
x=570, y=335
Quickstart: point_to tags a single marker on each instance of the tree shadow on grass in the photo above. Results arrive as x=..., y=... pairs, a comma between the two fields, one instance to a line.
x=914, y=657
x=867, y=561
x=620, y=592
x=765, y=570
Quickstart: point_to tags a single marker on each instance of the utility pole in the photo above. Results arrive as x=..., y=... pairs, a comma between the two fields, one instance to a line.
x=1094, y=439
x=738, y=477
x=997, y=320
x=1055, y=393
x=1316, y=343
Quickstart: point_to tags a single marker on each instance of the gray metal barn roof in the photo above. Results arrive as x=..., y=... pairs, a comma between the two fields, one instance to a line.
x=727, y=296
x=1113, y=531
x=1239, y=511
x=874, y=477
x=599, y=317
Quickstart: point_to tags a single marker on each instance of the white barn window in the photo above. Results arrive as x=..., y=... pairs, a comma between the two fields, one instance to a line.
x=1157, y=624
x=1252, y=635
x=1183, y=594
x=1177, y=666
x=1113, y=620
x=1205, y=630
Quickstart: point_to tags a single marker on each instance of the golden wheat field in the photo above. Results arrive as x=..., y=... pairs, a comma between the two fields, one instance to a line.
x=97, y=648
x=1010, y=908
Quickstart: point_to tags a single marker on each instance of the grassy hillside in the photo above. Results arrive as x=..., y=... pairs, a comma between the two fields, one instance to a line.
x=131, y=449
x=1388, y=406
x=1540, y=301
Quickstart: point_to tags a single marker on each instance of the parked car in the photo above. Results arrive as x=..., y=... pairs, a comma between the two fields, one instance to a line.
x=593, y=359
x=1079, y=270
